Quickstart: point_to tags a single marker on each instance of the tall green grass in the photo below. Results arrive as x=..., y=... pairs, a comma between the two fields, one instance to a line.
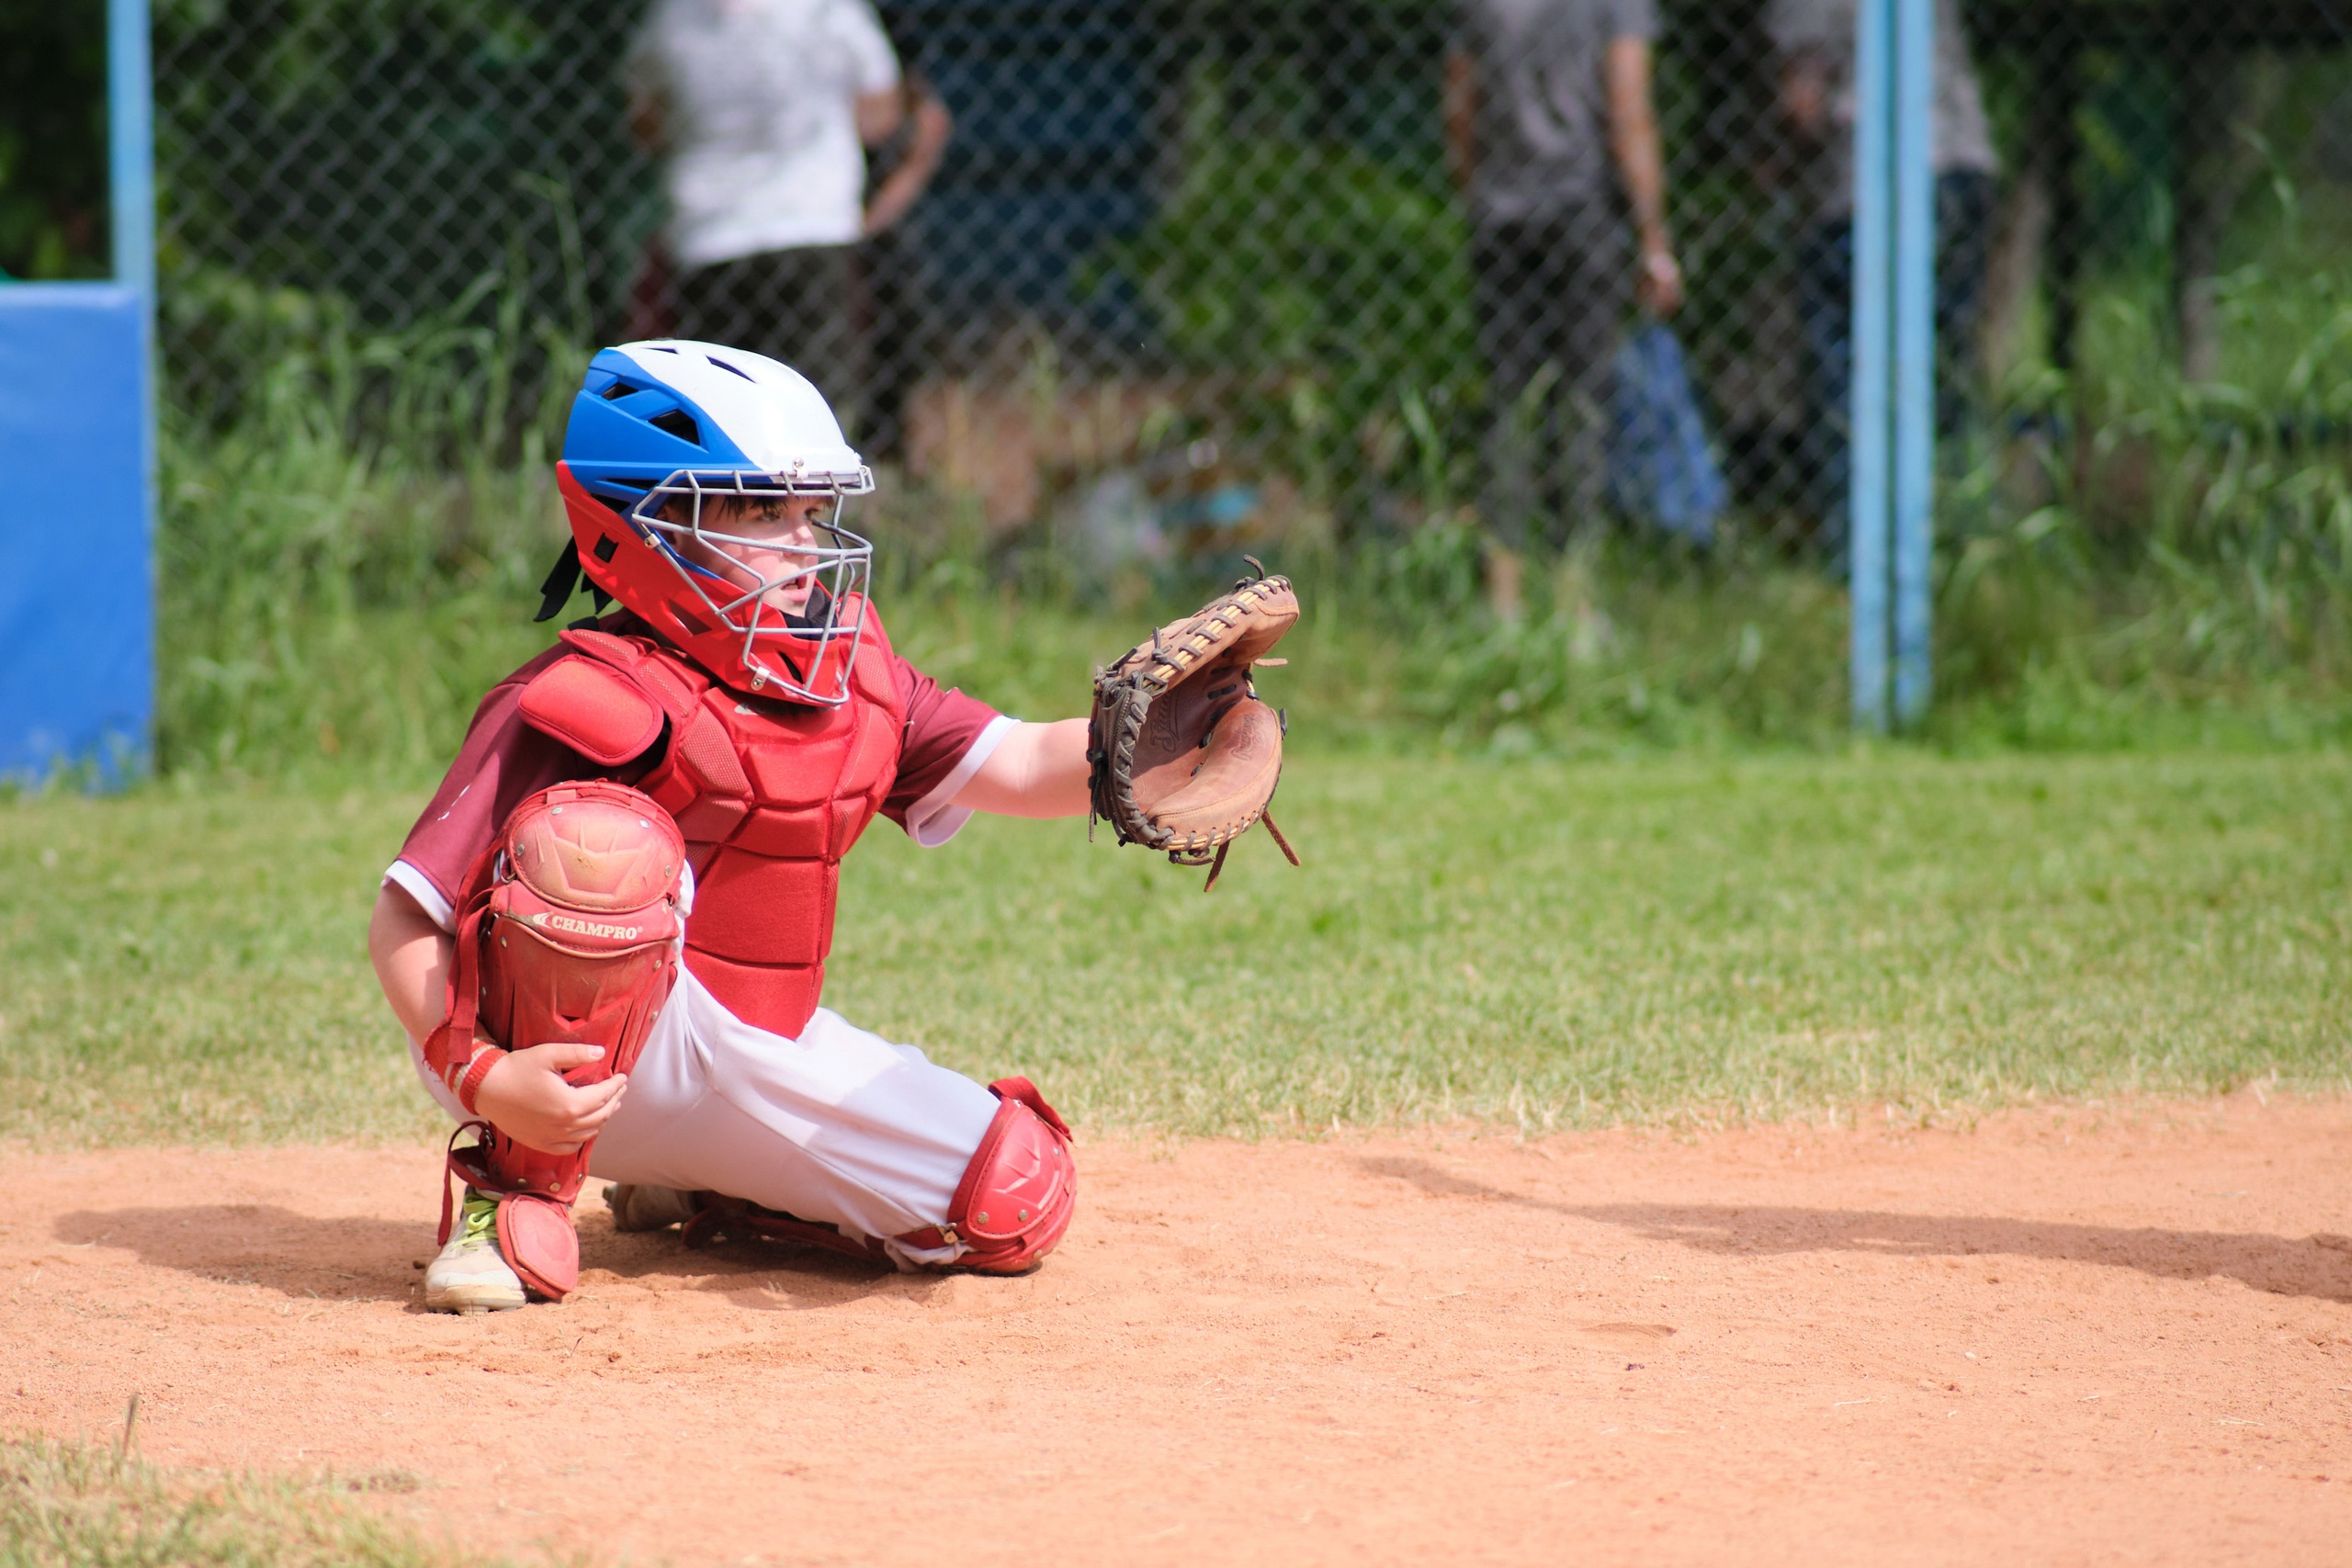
x=2138, y=559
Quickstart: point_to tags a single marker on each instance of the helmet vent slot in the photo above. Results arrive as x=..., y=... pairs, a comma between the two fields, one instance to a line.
x=619, y=391
x=729, y=369
x=606, y=547
x=680, y=423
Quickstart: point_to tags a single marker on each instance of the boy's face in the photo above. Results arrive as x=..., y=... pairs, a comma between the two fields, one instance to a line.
x=784, y=533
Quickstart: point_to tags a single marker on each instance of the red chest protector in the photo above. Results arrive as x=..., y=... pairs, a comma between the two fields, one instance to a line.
x=769, y=797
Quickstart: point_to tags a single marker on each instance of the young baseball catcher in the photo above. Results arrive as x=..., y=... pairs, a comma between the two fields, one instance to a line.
x=607, y=934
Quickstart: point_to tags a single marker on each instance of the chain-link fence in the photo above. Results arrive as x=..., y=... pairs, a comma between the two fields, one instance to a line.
x=1194, y=272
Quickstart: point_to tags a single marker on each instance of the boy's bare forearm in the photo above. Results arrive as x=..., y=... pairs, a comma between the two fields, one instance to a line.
x=412, y=958
x=1038, y=770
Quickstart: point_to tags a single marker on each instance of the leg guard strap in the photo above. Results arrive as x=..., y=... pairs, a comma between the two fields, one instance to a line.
x=718, y=1216
x=535, y=1232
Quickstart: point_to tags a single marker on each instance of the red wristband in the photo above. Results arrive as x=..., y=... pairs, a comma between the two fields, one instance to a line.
x=486, y=1056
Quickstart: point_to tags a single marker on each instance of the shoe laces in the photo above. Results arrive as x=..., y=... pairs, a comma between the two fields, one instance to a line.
x=479, y=1220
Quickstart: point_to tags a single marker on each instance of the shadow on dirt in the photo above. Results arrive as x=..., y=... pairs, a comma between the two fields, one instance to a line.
x=2315, y=1265
x=358, y=1259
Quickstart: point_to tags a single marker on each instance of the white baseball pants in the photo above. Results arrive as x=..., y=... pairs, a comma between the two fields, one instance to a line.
x=838, y=1125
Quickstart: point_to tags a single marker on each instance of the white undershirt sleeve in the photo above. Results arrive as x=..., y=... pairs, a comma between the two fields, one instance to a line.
x=411, y=881
x=935, y=818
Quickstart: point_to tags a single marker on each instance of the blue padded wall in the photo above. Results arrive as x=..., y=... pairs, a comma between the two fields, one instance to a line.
x=77, y=584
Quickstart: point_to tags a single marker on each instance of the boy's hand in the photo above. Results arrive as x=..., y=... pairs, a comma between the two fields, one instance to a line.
x=524, y=1096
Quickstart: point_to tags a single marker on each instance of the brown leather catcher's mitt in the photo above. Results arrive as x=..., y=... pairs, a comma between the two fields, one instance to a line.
x=1185, y=757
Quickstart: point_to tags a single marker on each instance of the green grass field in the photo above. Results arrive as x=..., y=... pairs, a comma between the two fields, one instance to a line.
x=74, y=1505
x=1535, y=944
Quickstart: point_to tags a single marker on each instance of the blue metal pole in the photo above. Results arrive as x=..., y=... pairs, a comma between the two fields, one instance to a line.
x=1866, y=548
x=130, y=170
x=131, y=144
x=1915, y=351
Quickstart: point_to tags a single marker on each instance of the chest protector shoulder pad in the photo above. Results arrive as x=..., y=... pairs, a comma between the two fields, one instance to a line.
x=769, y=797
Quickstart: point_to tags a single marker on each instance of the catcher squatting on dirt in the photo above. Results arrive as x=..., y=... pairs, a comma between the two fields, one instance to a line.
x=606, y=935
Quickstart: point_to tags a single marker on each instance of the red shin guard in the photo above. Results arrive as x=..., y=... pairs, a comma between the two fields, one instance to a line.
x=568, y=931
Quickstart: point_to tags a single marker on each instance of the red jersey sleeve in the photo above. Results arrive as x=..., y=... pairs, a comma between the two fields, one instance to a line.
x=502, y=760
x=948, y=735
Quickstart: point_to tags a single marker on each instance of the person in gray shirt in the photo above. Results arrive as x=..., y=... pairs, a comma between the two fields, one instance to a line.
x=1552, y=137
x=1814, y=41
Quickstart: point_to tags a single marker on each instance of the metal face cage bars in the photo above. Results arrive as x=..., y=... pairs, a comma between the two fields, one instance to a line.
x=837, y=573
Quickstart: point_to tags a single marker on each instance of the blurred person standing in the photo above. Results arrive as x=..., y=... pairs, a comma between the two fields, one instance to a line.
x=763, y=110
x=1552, y=136
x=1815, y=42
x=891, y=297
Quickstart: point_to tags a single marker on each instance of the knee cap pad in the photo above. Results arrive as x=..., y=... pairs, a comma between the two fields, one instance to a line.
x=580, y=937
x=1018, y=1194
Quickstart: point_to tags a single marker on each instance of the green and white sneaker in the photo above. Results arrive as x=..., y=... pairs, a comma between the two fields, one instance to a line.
x=470, y=1275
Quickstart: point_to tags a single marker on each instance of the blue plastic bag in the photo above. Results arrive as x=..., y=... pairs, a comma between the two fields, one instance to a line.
x=1660, y=467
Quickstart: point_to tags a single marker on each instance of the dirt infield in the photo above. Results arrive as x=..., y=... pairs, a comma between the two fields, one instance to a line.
x=2091, y=1335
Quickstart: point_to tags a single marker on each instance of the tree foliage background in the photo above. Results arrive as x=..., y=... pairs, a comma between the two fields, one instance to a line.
x=53, y=139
